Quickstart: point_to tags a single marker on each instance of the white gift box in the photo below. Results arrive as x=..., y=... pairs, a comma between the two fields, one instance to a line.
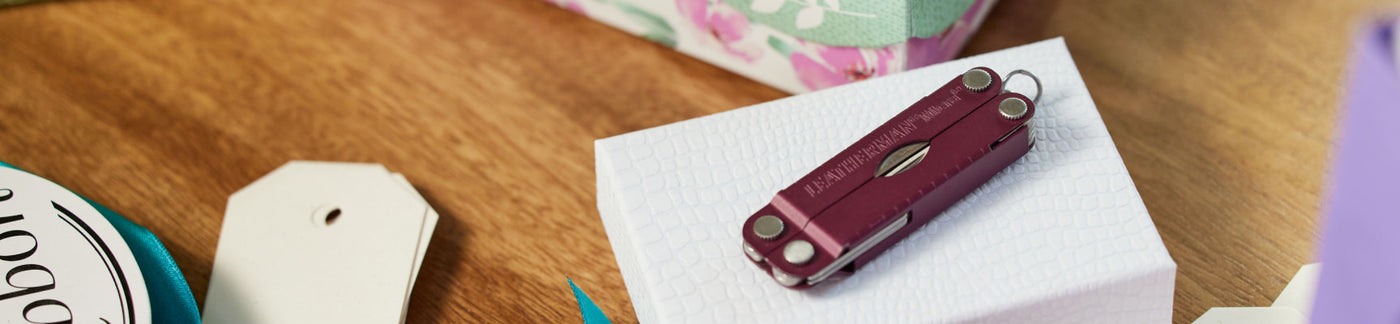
x=1060, y=236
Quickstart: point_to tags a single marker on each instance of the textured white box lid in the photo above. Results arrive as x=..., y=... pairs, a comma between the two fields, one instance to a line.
x=1061, y=236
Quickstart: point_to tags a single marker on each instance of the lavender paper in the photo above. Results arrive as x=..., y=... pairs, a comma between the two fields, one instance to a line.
x=1360, y=250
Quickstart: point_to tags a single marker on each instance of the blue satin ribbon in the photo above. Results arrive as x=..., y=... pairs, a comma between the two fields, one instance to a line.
x=171, y=300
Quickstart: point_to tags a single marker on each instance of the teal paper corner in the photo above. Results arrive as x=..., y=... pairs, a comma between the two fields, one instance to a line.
x=591, y=313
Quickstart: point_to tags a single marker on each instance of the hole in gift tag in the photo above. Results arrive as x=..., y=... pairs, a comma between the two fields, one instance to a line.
x=326, y=215
x=332, y=216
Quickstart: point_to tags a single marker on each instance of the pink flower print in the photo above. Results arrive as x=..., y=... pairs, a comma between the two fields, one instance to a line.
x=723, y=25
x=841, y=65
x=726, y=24
x=694, y=11
x=571, y=5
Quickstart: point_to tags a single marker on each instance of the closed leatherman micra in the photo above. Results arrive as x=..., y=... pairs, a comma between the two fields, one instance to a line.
x=892, y=181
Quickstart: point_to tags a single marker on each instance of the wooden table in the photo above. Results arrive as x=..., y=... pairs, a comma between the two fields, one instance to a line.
x=1224, y=112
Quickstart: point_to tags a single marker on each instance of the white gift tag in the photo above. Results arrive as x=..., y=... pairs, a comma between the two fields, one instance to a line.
x=430, y=222
x=319, y=242
x=1292, y=306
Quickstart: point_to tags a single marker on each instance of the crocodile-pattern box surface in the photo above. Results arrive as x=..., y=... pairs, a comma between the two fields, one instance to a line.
x=1060, y=236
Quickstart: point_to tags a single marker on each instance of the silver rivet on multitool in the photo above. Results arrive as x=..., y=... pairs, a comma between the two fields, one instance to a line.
x=786, y=279
x=799, y=252
x=977, y=80
x=752, y=253
x=768, y=227
x=1012, y=108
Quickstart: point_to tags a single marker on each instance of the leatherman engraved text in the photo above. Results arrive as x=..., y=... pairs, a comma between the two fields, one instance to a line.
x=891, y=181
x=879, y=145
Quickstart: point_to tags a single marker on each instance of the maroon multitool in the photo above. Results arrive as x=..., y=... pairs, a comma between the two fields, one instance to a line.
x=892, y=181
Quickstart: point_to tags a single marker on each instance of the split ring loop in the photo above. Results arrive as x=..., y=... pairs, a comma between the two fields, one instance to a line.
x=1038, y=88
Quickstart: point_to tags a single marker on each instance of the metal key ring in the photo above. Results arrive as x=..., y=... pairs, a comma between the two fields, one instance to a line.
x=1038, y=88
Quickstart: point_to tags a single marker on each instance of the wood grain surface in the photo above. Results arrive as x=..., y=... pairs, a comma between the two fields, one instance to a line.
x=1224, y=112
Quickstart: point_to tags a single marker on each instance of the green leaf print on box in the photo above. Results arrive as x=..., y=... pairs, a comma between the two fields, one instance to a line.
x=859, y=23
x=657, y=30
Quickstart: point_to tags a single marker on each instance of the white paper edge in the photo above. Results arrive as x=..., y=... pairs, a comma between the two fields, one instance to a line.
x=619, y=239
x=430, y=219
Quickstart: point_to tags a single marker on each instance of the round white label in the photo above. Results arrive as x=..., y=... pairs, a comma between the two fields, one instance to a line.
x=61, y=261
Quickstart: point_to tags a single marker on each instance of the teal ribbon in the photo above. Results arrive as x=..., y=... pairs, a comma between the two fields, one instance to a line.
x=171, y=300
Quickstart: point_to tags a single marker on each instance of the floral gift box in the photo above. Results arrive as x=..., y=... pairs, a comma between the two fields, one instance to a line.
x=800, y=45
